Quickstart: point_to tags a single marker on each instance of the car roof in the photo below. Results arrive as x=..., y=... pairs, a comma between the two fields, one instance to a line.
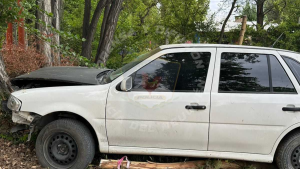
x=221, y=46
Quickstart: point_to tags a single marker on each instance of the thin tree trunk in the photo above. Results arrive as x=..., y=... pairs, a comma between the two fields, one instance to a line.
x=110, y=27
x=56, y=8
x=5, y=86
x=226, y=20
x=86, y=20
x=260, y=13
x=105, y=17
x=87, y=48
x=37, y=26
x=45, y=46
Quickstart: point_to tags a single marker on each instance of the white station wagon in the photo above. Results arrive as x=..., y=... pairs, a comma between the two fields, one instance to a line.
x=213, y=101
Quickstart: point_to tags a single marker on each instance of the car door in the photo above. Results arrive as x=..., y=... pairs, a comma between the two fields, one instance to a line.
x=168, y=105
x=250, y=89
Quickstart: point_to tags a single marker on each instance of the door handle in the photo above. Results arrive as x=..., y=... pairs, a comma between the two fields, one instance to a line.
x=189, y=107
x=291, y=109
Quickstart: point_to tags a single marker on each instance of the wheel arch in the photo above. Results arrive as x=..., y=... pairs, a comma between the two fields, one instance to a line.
x=46, y=119
x=292, y=129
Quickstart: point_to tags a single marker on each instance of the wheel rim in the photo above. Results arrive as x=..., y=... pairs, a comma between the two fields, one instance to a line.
x=296, y=158
x=61, y=150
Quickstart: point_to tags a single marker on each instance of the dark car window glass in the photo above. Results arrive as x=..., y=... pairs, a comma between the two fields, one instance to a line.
x=244, y=72
x=280, y=80
x=179, y=72
x=112, y=75
x=294, y=66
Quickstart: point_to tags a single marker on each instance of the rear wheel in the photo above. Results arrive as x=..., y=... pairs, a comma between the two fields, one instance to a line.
x=64, y=144
x=288, y=153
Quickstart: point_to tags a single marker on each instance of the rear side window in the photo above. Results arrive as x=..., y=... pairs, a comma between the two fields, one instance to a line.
x=241, y=72
x=253, y=73
x=294, y=66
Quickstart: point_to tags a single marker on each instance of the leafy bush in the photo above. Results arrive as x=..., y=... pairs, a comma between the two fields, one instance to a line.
x=19, y=61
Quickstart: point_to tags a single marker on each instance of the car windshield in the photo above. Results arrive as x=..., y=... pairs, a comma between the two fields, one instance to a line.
x=115, y=74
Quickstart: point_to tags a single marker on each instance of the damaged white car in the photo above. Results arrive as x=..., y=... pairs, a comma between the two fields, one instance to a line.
x=214, y=101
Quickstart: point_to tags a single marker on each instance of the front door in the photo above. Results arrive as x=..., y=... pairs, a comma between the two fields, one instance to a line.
x=169, y=104
x=250, y=89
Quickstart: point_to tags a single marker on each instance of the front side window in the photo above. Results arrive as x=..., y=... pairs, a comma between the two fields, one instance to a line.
x=112, y=75
x=178, y=72
x=254, y=73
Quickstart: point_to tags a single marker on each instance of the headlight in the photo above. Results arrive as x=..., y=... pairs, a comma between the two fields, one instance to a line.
x=13, y=103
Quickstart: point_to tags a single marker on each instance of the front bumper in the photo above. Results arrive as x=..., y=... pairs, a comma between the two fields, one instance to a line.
x=4, y=107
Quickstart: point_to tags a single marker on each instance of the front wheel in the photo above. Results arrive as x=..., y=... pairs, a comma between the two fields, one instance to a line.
x=65, y=144
x=288, y=153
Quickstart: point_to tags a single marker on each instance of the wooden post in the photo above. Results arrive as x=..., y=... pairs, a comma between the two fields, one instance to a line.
x=9, y=35
x=21, y=30
x=243, y=30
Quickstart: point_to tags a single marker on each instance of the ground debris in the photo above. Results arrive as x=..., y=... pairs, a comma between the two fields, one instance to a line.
x=17, y=156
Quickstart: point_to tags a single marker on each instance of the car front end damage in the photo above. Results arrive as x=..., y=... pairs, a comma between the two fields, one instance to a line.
x=24, y=120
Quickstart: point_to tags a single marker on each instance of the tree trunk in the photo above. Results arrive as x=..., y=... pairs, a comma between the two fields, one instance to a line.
x=56, y=10
x=37, y=26
x=86, y=20
x=260, y=13
x=109, y=31
x=226, y=20
x=45, y=46
x=105, y=17
x=87, y=48
x=5, y=86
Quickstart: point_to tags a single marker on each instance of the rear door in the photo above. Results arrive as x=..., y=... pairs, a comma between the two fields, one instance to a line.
x=169, y=104
x=250, y=89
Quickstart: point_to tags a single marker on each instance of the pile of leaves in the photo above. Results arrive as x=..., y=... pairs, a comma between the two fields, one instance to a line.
x=17, y=156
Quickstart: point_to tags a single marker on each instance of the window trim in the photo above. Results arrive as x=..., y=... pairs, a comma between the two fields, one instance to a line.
x=269, y=74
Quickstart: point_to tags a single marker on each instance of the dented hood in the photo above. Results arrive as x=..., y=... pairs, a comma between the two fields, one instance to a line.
x=61, y=75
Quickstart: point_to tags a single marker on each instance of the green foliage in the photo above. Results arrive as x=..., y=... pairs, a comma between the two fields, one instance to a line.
x=207, y=30
x=72, y=22
x=249, y=10
x=8, y=12
x=213, y=164
x=290, y=39
x=291, y=12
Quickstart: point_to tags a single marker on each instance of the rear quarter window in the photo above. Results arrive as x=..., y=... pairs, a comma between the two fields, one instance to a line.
x=294, y=65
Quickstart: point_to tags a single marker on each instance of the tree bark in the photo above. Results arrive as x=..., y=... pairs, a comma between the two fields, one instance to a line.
x=5, y=84
x=56, y=10
x=109, y=31
x=87, y=48
x=45, y=46
x=105, y=17
x=226, y=20
x=260, y=13
x=86, y=20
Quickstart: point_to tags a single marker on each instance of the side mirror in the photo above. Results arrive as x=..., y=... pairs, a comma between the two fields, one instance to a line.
x=126, y=84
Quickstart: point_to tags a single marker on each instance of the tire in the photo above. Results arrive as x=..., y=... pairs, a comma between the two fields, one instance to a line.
x=65, y=144
x=288, y=152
